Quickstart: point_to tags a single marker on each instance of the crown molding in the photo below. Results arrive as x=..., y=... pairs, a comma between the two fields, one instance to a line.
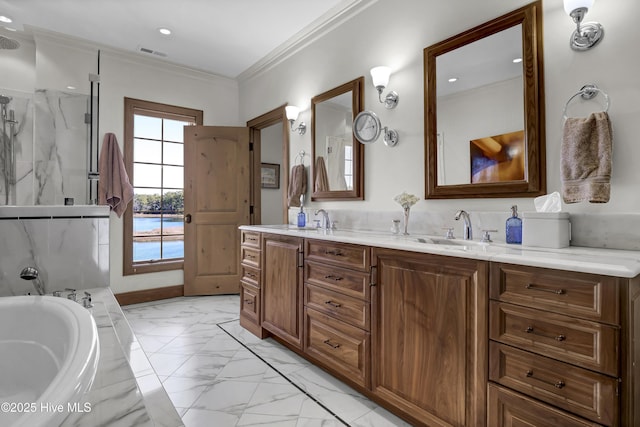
x=333, y=18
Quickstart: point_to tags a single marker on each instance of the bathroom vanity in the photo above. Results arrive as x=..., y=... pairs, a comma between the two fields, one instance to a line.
x=454, y=333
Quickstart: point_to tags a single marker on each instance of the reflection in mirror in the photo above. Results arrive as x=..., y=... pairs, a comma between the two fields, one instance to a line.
x=338, y=167
x=484, y=115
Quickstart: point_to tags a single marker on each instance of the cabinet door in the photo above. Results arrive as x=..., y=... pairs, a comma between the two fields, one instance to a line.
x=281, y=288
x=430, y=336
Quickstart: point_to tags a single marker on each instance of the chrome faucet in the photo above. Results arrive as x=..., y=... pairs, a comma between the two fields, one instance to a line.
x=31, y=273
x=467, y=233
x=325, y=214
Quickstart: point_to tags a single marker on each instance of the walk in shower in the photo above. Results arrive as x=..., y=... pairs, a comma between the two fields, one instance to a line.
x=8, y=154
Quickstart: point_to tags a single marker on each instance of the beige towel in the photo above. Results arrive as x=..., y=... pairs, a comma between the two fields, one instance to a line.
x=297, y=185
x=586, y=159
x=114, y=188
x=322, y=180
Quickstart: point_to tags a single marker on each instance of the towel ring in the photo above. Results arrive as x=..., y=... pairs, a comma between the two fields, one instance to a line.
x=300, y=155
x=587, y=92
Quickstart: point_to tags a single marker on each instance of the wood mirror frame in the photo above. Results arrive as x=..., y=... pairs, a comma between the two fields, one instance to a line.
x=534, y=183
x=357, y=102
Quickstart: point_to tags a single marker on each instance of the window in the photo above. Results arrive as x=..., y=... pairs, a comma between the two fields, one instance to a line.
x=154, y=158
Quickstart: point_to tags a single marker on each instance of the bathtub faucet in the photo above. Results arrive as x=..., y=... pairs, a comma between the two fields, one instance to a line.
x=31, y=273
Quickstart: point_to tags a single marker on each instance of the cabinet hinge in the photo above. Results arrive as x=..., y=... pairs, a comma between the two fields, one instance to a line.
x=251, y=146
x=251, y=210
x=373, y=280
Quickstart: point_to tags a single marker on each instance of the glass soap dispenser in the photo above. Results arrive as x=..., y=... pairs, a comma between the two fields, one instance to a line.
x=514, y=227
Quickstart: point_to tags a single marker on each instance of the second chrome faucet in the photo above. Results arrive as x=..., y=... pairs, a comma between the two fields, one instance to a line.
x=467, y=232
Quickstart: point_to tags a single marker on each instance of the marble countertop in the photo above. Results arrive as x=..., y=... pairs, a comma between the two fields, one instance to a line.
x=126, y=390
x=610, y=262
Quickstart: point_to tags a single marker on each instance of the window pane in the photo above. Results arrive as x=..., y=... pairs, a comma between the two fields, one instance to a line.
x=146, y=200
x=172, y=248
x=173, y=153
x=147, y=127
x=147, y=151
x=173, y=203
x=145, y=250
x=174, y=130
x=147, y=175
x=173, y=177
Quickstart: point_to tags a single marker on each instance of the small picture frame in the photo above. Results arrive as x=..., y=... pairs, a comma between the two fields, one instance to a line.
x=270, y=175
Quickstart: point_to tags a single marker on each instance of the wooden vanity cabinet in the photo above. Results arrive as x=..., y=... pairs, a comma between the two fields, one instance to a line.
x=429, y=337
x=281, y=291
x=250, y=265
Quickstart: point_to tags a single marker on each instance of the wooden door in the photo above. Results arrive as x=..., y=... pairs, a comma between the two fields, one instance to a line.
x=216, y=201
x=429, y=352
x=282, y=302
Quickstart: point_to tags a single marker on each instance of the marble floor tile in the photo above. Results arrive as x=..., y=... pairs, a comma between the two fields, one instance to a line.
x=218, y=374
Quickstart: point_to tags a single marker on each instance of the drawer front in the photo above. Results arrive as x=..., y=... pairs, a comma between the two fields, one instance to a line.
x=250, y=275
x=339, y=346
x=509, y=409
x=588, y=344
x=348, y=282
x=249, y=301
x=250, y=256
x=580, y=391
x=250, y=238
x=340, y=254
x=350, y=310
x=574, y=294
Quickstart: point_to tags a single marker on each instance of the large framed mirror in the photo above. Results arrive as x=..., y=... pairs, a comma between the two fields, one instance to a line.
x=484, y=110
x=338, y=159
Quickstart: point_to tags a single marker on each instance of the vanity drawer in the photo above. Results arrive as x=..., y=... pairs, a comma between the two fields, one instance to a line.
x=250, y=275
x=250, y=256
x=348, y=282
x=580, y=391
x=588, y=344
x=249, y=302
x=350, y=310
x=339, y=346
x=510, y=409
x=250, y=238
x=340, y=254
x=583, y=295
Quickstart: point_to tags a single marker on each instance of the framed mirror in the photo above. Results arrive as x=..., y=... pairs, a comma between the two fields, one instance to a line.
x=484, y=110
x=338, y=159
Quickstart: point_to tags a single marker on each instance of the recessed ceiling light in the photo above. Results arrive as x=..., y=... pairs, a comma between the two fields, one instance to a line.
x=5, y=19
x=71, y=87
x=517, y=60
x=164, y=31
x=453, y=79
x=10, y=29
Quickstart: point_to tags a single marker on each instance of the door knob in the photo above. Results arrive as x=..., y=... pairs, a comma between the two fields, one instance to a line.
x=187, y=218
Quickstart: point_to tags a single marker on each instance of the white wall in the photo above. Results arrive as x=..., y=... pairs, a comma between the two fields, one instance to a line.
x=395, y=32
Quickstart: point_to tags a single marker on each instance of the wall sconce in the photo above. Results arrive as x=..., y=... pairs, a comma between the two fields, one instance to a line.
x=380, y=76
x=292, y=115
x=588, y=34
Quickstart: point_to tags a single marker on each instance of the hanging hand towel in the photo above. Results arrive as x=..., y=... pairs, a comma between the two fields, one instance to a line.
x=114, y=188
x=297, y=185
x=586, y=159
x=322, y=180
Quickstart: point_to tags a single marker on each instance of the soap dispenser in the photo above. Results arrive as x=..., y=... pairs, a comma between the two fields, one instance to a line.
x=302, y=217
x=514, y=227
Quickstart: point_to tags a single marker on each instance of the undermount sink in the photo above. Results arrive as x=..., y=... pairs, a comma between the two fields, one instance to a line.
x=50, y=351
x=451, y=242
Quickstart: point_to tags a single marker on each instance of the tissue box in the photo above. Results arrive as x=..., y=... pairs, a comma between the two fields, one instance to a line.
x=546, y=229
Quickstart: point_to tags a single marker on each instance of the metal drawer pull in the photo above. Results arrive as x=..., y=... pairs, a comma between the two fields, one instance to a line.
x=253, y=276
x=248, y=302
x=251, y=256
x=558, y=384
x=333, y=304
x=530, y=330
x=253, y=239
x=328, y=342
x=538, y=288
x=333, y=252
x=332, y=277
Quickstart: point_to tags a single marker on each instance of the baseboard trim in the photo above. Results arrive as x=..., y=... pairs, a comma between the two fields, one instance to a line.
x=146, y=295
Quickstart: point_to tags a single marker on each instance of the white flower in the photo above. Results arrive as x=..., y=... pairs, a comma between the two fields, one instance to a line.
x=406, y=200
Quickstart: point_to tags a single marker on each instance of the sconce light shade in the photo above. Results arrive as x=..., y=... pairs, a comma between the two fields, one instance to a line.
x=571, y=5
x=292, y=113
x=380, y=76
x=586, y=35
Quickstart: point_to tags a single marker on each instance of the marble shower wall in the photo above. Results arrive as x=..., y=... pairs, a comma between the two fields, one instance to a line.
x=69, y=245
x=51, y=141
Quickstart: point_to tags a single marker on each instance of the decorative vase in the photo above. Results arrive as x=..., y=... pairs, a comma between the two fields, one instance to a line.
x=406, y=220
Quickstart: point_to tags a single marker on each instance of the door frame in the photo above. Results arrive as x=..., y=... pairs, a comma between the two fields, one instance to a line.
x=255, y=125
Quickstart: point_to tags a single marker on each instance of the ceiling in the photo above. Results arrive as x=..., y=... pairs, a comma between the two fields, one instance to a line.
x=224, y=37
